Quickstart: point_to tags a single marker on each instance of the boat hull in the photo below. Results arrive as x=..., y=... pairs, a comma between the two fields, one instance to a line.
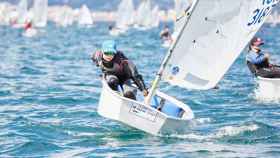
x=138, y=115
x=269, y=88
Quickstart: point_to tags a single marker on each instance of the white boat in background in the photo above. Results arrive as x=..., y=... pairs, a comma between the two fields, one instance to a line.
x=30, y=32
x=40, y=12
x=117, y=31
x=85, y=17
x=213, y=35
x=166, y=43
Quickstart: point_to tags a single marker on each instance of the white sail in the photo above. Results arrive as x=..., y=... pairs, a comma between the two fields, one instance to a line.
x=125, y=14
x=85, y=17
x=40, y=12
x=144, y=14
x=155, y=17
x=22, y=11
x=214, y=36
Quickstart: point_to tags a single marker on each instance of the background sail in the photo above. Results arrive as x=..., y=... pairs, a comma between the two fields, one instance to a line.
x=125, y=14
x=40, y=12
x=22, y=11
x=85, y=17
x=217, y=32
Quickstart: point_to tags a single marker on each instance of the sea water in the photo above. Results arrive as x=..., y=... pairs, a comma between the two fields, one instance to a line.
x=50, y=90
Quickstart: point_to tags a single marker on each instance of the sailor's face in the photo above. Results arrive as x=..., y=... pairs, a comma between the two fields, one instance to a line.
x=256, y=48
x=108, y=57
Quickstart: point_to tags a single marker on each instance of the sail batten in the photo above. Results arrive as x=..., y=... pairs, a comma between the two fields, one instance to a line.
x=215, y=35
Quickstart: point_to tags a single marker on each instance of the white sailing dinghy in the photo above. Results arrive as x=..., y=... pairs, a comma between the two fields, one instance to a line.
x=212, y=37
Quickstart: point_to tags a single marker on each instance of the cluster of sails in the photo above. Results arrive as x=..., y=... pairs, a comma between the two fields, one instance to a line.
x=144, y=17
x=37, y=16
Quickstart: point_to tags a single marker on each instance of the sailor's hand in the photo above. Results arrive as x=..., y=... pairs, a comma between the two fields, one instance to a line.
x=145, y=92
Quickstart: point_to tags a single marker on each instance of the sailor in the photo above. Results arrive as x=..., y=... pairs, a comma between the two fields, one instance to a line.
x=165, y=34
x=119, y=72
x=258, y=62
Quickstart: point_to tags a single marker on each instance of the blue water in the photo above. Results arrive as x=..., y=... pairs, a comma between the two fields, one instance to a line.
x=50, y=89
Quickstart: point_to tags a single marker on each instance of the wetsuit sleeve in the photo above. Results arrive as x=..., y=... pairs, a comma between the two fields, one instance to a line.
x=136, y=77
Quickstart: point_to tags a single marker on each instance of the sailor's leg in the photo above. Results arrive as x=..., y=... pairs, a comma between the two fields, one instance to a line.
x=112, y=81
x=273, y=72
x=129, y=91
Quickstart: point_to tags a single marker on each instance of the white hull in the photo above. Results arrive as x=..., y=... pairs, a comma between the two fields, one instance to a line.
x=268, y=88
x=30, y=33
x=137, y=114
x=166, y=43
x=117, y=31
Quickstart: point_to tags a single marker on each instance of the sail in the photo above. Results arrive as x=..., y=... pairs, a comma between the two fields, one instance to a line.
x=22, y=11
x=212, y=38
x=40, y=12
x=85, y=17
x=180, y=7
x=144, y=14
x=125, y=14
x=155, y=17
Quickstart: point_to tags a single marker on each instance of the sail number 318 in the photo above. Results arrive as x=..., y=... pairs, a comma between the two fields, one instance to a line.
x=260, y=13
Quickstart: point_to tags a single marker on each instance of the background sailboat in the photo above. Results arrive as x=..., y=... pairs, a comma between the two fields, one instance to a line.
x=85, y=17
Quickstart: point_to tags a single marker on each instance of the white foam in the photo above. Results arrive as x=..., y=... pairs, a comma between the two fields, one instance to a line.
x=222, y=132
x=233, y=131
x=203, y=120
x=70, y=153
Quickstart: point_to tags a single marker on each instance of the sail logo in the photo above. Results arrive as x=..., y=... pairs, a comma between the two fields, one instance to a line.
x=175, y=70
x=259, y=14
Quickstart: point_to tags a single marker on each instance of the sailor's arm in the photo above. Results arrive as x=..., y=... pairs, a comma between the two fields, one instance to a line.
x=97, y=58
x=256, y=59
x=137, y=78
x=261, y=58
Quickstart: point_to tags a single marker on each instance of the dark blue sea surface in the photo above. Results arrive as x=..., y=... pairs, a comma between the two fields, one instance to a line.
x=50, y=90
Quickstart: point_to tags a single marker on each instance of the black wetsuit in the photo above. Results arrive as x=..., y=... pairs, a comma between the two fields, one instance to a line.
x=123, y=69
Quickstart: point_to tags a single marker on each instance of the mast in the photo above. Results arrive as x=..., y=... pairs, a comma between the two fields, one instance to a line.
x=155, y=83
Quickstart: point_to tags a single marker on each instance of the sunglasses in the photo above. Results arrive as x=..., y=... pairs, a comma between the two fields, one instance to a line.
x=109, y=53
